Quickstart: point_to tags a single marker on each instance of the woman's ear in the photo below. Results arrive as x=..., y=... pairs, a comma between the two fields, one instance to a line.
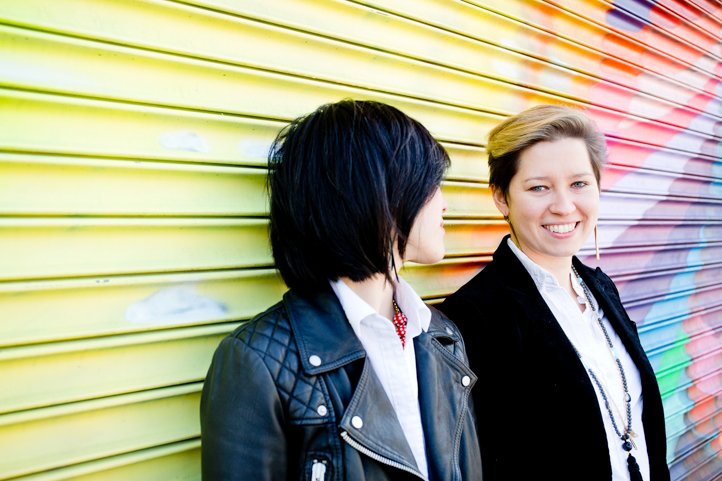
x=500, y=201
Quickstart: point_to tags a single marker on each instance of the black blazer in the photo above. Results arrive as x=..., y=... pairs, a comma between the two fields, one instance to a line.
x=537, y=411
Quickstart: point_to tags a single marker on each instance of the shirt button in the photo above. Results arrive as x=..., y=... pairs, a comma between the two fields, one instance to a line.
x=321, y=410
x=465, y=381
x=315, y=360
x=357, y=422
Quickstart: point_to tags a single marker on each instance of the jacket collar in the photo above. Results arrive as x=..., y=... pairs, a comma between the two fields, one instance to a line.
x=326, y=342
x=324, y=336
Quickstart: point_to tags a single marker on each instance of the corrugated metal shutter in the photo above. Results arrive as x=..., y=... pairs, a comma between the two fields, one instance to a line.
x=132, y=212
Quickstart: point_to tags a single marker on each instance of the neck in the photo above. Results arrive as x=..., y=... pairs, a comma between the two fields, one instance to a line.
x=559, y=267
x=376, y=291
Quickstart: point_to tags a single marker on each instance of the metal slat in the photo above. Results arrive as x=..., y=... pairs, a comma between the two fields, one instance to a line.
x=642, y=181
x=104, y=367
x=173, y=461
x=648, y=33
x=61, y=124
x=32, y=185
x=633, y=56
x=283, y=45
x=54, y=124
x=592, y=83
x=50, y=248
x=50, y=438
x=626, y=262
x=647, y=284
x=631, y=234
x=58, y=310
x=634, y=154
x=694, y=15
x=668, y=23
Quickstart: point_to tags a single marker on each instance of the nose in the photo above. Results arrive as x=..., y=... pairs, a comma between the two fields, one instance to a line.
x=562, y=204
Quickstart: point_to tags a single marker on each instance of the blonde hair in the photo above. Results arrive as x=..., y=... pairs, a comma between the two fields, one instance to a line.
x=539, y=124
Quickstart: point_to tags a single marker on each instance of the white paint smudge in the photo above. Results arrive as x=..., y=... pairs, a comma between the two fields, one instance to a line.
x=254, y=148
x=171, y=305
x=184, y=140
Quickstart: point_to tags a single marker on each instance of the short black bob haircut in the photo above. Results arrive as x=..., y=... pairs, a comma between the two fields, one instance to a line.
x=345, y=182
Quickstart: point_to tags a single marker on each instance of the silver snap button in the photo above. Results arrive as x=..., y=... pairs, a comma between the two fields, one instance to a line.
x=465, y=381
x=357, y=422
x=449, y=331
x=315, y=360
x=321, y=410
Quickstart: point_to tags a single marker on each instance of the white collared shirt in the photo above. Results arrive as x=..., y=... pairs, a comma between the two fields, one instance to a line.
x=394, y=366
x=582, y=329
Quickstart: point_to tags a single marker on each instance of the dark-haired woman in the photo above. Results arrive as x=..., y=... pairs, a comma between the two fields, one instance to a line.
x=566, y=392
x=351, y=376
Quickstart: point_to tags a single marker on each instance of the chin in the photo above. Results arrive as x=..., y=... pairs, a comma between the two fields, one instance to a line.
x=431, y=258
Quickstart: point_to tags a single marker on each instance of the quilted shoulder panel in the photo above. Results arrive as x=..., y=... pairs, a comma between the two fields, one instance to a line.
x=271, y=337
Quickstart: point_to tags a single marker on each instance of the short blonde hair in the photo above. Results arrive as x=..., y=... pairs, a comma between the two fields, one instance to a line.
x=539, y=124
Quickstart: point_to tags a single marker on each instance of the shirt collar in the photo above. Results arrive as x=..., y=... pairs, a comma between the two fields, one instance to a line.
x=356, y=309
x=542, y=278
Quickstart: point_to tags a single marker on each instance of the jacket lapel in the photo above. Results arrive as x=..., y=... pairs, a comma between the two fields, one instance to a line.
x=608, y=299
x=371, y=423
x=445, y=383
x=550, y=334
x=326, y=342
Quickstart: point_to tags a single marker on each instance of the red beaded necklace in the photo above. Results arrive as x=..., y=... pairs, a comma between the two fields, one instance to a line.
x=400, y=321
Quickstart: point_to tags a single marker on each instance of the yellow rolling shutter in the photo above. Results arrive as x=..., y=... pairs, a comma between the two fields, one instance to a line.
x=133, y=227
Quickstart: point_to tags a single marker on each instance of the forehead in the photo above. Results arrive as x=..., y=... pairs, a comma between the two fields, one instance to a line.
x=567, y=156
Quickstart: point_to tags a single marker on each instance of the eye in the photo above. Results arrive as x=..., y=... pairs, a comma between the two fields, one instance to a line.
x=580, y=184
x=538, y=188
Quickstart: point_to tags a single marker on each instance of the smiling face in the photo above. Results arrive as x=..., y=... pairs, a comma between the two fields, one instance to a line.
x=425, y=244
x=552, y=202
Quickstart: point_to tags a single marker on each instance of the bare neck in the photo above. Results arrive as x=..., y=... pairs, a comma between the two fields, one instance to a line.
x=377, y=291
x=559, y=267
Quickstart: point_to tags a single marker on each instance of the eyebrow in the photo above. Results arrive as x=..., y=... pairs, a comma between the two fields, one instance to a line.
x=575, y=176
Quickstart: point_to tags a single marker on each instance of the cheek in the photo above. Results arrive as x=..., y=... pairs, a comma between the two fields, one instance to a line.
x=528, y=214
x=592, y=205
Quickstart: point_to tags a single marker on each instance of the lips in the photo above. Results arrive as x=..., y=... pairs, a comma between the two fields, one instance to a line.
x=561, y=228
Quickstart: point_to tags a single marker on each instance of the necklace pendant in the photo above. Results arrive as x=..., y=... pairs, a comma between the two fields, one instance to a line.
x=626, y=445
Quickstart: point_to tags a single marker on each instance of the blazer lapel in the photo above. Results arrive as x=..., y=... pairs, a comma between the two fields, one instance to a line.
x=522, y=289
x=608, y=299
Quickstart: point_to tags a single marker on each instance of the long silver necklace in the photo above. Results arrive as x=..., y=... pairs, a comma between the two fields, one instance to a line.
x=626, y=435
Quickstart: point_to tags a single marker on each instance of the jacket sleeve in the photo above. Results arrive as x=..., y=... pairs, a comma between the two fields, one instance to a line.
x=242, y=431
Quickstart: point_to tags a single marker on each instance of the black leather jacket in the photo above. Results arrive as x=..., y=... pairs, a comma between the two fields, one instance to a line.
x=285, y=393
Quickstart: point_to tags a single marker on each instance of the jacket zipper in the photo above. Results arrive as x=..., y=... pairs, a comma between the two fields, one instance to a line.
x=346, y=437
x=318, y=471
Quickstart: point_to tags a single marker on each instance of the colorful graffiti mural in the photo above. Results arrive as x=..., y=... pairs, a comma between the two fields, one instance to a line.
x=675, y=292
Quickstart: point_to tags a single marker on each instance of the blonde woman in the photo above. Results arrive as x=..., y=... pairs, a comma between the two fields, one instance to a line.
x=565, y=389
